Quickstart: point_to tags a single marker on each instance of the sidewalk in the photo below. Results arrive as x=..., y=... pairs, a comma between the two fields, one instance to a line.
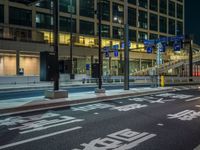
x=22, y=105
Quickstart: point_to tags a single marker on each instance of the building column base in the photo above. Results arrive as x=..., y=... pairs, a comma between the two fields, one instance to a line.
x=51, y=94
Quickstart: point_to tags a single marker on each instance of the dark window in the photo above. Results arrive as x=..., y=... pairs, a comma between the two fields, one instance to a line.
x=153, y=22
x=132, y=17
x=143, y=3
x=45, y=4
x=44, y=21
x=179, y=11
x=86, y=27
x=20, y=16
x=171, y=26
x=153, y=5
x=65, y=24
x=117, y=33
x=118, y=13
x=105, y=10
x=171, y=9
x=132, y=2
x=65, y=6
x=163, y=24
x=1, y=13
x=143, y=19
x=142, y=36
x=179, y=28
x=105, y=30
x=163, y=6
x=87, y=8
x=153, y=36
x=132, y=35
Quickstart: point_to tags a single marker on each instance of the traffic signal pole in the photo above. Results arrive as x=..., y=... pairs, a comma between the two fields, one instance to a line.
x=56, y=40
x=100, y=36
x=126, y=48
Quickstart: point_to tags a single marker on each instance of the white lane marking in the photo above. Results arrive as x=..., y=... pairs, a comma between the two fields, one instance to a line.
x=197, y=148
x=192, y=99
x=39, y=137
x=96, y=113
x=197, y=105
x=160, y=124
x=55, y=125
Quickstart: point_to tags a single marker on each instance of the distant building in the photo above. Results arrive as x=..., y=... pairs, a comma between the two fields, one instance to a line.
x=27, y=30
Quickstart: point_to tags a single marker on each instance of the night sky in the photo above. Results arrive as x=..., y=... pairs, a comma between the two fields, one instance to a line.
x=192, y=19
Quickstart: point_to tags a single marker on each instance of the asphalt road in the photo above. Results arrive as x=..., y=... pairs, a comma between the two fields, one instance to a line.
x=168, y=121
x=6, y=95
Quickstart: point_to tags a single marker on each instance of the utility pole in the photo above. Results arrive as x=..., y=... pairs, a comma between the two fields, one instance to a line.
x=99, y=12
x=71, y=42
x=126, y=47
x=190, y=60
x=56, y=40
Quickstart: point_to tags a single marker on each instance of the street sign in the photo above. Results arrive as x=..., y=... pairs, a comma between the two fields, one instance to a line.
x=106, y=51
x=129, y=44
x=87, y=66
x=116, y=53
x=177, y=46
x=149, y=49
x=115, y=47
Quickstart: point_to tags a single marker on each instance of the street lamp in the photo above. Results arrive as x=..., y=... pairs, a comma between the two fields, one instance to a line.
x=71, y=10
x=99, y=89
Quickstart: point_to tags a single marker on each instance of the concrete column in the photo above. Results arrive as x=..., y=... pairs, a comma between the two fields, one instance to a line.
x=78, y=16
x=34, y=33
x=140, y=60
x=17, y=61
x=6, y=19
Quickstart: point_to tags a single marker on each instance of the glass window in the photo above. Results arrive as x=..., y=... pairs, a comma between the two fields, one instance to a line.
x=19, y=16
x=171, y=26
x=118, y=13
x=65, y=6
x=163, y=24
x=163, y=6
x=86, y=27
x=142, y=36
x=45, y=4
x=142, y=21
x=171, y=9
x=153, y=22
x=105, y=10
x=132, y=35
x=117, y=33
x=132, y=2
x=65, y=24
x=143, y=3
x=153, y=5
x=132, y=17
x=153, y=36
x=179, y=11
x=1, y=13
x=179, y=28
x=44, y=20
x=87, y=8
x=105, y=30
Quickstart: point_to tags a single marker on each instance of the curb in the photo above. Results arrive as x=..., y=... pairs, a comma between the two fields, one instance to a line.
x=63, y=103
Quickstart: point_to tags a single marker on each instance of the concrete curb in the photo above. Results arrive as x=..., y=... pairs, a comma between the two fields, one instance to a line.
x=61, y=103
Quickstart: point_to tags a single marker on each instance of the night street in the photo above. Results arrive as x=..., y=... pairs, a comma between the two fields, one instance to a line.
x=168, y=121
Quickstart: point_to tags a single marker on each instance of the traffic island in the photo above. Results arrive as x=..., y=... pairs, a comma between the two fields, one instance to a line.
x=97, y=90
x=56, y=94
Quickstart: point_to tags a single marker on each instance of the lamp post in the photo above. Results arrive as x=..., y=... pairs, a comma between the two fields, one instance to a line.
x=126, y=47
x=71, y=40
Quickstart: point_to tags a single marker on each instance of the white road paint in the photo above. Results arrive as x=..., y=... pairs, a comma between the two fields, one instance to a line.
x=39, y=122
x=129, y=107
x=96, y=113
x=186, y=115
x=38, y=138
x=192, y=99
x=122, y=140
x=197, y=105
x=160, y=124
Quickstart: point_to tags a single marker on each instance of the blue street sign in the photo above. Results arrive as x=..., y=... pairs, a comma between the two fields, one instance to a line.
x=129, y=44
x=116, y=53
x=163, y=47
x=106, y=54
x=177, y=46
x=149, y=50
x=87, y=66
x=115, y=46
x=106, y=48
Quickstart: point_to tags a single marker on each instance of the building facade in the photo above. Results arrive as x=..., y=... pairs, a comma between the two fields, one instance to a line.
x=27, y=30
